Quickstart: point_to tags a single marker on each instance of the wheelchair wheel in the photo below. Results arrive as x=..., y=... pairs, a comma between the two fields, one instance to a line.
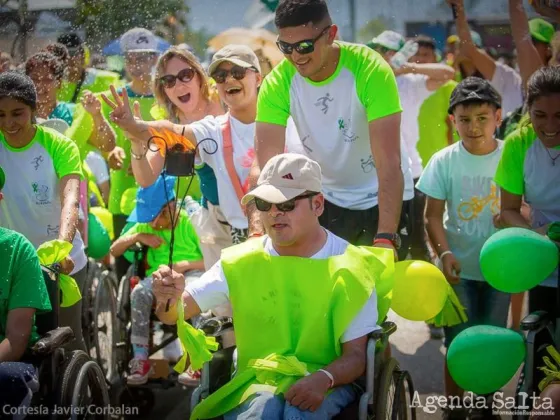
x=520, y=400
x=68, y=376
x=123, y=349
x=90, y=393
x=402, y=406
x=92, y=281
x=387, y=392
x=105, y=324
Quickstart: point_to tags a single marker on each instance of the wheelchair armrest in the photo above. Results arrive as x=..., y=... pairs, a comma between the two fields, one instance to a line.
x=535, y=321
x=387, y=328
x=214, y=327
x=52, y=340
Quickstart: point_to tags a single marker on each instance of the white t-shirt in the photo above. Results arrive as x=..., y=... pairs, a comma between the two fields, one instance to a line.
x=465, y=182
x=212, y=290
x=98, y=167
x=332, y=118
x=413, y=92
x=508, y=83
x=32, y=202
x=243, y=141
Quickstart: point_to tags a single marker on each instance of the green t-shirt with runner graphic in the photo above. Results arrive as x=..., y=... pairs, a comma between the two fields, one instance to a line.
x=186, y=248
x=21, y=280
x=332, y=118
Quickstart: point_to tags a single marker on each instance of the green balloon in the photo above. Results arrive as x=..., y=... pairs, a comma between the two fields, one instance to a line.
x=515, y=260
x=482, y=359
x=99, y=242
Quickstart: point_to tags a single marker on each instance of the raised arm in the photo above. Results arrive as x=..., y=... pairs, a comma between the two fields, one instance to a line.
x=102, y=136
x=482, y=61
x=527, y=55
x=434, y=71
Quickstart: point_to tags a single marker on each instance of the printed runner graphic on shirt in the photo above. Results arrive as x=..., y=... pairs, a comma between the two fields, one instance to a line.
x=37, y=162
x=484, y=195
x=323, y=102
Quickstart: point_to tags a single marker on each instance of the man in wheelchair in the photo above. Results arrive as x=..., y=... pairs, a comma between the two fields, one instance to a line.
x=303, y=304
x=154, y=216
x=22, y=294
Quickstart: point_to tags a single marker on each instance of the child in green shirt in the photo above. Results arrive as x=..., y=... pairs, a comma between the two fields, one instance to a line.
x=155, y=207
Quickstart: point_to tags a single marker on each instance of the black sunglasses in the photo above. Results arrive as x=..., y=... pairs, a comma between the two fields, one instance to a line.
x=237, y=72
x=185, y=76
x=286, y=206
x=307, y=46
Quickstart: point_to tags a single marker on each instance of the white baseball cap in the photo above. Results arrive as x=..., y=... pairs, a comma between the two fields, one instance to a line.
x=389, y=39
x=285, y=177
x=139, y=40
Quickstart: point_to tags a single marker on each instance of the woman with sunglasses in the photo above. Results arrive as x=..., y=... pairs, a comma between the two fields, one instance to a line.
x=236, y=70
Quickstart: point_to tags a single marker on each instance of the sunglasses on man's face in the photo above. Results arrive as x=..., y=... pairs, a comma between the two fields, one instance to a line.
x=307, y=46
x=185, y=76
x=237, y=72
x=286, y=206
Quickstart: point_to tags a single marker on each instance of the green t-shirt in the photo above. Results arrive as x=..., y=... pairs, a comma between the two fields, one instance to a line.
x=187, y=247
x=21, y=280
x=432, y=123
x=96, y=81
x=528, y=169
x=122, y=179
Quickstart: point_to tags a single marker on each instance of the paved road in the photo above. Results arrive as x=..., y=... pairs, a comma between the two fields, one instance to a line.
x=411, y=346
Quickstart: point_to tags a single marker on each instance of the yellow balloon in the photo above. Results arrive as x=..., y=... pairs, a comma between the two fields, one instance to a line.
x=106, y=219
x=128, y=200
x=420, y=290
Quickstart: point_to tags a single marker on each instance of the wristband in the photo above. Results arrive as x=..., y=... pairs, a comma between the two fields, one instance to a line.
x=444, y=253
x=138, y=157
x=255, y=235
x=326, y=372
x=383, y=241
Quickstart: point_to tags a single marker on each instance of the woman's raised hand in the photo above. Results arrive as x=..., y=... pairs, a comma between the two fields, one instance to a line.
x=123, y=116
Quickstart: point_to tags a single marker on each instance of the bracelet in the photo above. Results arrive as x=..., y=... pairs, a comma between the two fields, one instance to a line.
x=444, y=253
x=331, y=377
x=384, y=241
x=255, y=235
x=138, y=157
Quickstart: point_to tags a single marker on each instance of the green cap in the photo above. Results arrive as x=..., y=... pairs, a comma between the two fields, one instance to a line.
x=541, y=30
x=2, y=178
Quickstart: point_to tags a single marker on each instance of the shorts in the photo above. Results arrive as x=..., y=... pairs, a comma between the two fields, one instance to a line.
x=484, y=306
x=359, y=227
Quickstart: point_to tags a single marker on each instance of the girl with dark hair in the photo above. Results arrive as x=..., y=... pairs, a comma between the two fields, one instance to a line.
x=47, y=70
x=530, y=169
x=41, y=193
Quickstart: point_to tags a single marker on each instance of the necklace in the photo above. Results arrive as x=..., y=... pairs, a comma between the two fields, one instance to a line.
x=553, y=159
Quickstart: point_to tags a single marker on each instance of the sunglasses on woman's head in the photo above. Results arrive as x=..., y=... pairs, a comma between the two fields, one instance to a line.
x=306, y=46
x=286, y=206
x=185, y=76
x=237, y=72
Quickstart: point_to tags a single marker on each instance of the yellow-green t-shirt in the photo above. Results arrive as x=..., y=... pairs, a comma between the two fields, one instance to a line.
x=96, y=81
x=186, y=246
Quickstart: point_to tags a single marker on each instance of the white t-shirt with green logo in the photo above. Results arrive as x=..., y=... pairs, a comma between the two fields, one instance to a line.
x=332, y=119
x=32, y=202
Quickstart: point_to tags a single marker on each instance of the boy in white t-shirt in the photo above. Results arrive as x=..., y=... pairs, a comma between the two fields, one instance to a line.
x=462, y=199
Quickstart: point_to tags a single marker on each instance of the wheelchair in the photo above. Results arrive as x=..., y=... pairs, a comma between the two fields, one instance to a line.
x=542, y=330
x=99, y=317
x=388, y=391
x=142, y=396
x=69, y=380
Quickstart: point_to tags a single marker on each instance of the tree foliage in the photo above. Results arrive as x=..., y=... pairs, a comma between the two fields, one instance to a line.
x=105, y=20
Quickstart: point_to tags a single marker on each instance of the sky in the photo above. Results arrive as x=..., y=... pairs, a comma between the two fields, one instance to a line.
x=218, y=15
